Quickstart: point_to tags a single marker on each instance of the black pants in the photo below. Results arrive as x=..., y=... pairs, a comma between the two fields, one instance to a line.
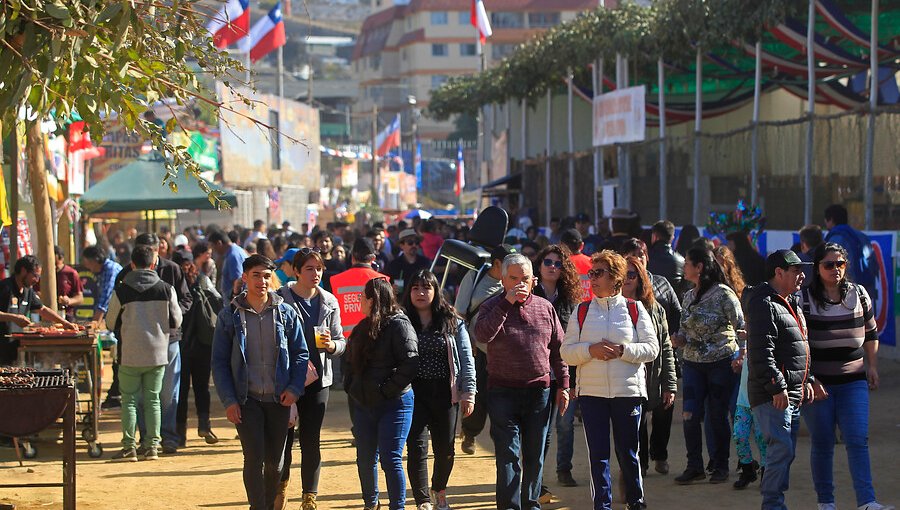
x=263, y=430
x=195, y=370
x=474, y=423
x=311, y=408
x=655, y=445
x=432, y=412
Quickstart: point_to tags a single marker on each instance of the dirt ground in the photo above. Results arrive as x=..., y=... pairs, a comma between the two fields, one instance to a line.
x=202, y=476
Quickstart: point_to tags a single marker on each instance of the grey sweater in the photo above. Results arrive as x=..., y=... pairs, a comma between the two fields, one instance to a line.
x=143, y=308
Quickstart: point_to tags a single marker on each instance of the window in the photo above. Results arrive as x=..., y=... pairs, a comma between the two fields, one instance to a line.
x=439, y=18
x=437, y=80
x=375, y=62
x=543, y=19
x=507, y=19
x=465, y=18
x=467, y=50
x=275, y=140
x=439, y=50
x=501, y=51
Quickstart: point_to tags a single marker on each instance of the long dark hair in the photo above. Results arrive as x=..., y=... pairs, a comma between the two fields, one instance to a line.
x=365, y=334
x=686, y=239
x=711, y=274
x=569, y=284
x=644, y=290
x=444, y=318
x=816, y=287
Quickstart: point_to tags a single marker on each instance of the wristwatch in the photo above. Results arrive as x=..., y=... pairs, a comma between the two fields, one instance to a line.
x=621, y=350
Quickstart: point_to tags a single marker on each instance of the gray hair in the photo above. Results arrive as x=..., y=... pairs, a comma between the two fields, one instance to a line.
x=517, y=259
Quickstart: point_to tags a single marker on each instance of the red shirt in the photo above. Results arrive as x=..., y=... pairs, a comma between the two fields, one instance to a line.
x=431, y=243
x=583, y=265
x=68, y=283
x=348, y=288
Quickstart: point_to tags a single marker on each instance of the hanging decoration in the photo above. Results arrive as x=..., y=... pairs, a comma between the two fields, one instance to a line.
x=744, y=218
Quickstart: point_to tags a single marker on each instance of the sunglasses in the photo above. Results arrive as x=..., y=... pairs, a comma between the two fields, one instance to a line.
x=596, y=274
x=831, y=264
x=553, y=263
x=306, y=251
x=631, y=275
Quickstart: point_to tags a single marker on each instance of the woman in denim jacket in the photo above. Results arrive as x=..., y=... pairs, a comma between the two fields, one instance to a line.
x=445, y=381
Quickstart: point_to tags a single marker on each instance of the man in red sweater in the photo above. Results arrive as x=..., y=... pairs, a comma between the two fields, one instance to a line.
x=523, y=335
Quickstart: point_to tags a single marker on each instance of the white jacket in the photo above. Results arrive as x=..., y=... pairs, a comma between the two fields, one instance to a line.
x=608, y=318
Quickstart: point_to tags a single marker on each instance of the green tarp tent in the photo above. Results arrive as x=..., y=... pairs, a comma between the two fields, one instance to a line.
x=138, y=186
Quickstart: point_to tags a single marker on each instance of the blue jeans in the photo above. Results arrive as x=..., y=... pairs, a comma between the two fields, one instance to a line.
x=625, y=415
x=708, y=387
x=779, y=428
x=519, y=421
x=168, y=399
x=565, y=438
x=383, y=430
x=847, y=406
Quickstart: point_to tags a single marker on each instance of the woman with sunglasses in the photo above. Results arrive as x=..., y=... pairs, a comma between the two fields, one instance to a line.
x=560, y=283
x=444, y=383
x=711, y=317
x=842, y=334
x=316, y=308
x=384, y=360
x=609, y=341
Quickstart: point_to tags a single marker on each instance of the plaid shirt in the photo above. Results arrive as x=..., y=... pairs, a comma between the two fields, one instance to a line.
x=106, y=282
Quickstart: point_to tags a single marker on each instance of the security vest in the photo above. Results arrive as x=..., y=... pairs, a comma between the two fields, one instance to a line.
x=583, y=265
x=348, y=288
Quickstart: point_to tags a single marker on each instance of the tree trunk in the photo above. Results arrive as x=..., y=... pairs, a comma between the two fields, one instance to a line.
x=37, y=176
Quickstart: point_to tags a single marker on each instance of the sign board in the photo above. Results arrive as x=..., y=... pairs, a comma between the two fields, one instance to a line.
x=619, y=117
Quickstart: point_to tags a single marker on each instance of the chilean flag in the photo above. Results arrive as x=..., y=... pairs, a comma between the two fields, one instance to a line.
x=480, y=20
x=230, y=24
x=266, y=36
x=388, y=139
x=460, y=170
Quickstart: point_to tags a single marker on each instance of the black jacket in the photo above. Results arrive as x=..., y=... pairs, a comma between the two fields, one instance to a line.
x=777, y=345
x=671, y=303
x=666, y=262
x=752, y=265
x=563, y=309
x=170, y=273
x=390, y=366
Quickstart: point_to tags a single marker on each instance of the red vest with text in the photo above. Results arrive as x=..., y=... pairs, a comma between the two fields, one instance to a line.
x=583, y=265
x=348, y=288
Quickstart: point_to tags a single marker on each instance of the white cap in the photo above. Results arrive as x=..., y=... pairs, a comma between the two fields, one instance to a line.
x=180, y=240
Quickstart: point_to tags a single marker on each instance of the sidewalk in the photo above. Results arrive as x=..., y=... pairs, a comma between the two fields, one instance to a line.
x=202, y=476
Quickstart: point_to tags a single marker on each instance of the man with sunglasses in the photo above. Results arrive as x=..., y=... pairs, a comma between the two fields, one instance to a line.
x=408, y=262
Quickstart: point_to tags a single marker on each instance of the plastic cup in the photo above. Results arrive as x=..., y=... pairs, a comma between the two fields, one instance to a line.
x=321, y=335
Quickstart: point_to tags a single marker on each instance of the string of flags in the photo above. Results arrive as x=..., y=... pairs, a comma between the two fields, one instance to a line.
x=346, y=154
x=231, y=25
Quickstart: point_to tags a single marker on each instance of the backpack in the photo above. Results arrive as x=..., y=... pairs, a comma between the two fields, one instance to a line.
x=585, y=305
x=202, y=316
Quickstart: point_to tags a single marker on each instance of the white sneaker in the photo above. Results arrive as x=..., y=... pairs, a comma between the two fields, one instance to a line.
x=439, y=499
x=874, y=505
x=425, y=506
x=827, y=506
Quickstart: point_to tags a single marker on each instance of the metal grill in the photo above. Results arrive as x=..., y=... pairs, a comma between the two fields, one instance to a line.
x=20, y=379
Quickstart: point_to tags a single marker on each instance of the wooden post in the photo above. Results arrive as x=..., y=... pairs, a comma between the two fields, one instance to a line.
x=37, y=177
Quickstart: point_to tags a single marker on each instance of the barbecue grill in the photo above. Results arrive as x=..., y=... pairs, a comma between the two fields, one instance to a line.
x=39, y=398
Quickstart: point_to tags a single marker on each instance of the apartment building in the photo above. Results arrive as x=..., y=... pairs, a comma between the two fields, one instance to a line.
x=406, y=49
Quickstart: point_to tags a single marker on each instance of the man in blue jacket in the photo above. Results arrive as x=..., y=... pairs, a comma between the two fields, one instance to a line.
x=259, y=363
x=861, y=266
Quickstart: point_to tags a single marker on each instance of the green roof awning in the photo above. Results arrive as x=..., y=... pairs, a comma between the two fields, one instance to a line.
x=138, y=186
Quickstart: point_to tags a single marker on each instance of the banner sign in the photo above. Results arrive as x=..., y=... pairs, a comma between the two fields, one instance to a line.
x=619, y=117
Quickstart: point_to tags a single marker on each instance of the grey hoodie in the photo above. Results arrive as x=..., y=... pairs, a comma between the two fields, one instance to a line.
x=144, y=308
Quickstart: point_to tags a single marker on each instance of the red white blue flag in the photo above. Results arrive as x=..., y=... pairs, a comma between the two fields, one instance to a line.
x=388, y=139
x=266, y=36
x=480, y=20
x=460, y=170
x=230, y=24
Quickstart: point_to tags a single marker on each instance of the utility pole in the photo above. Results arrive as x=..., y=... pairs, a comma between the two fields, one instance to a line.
x=375, y=199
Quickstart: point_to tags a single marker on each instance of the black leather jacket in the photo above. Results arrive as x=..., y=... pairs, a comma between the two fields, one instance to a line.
x=777, y=345
x=665, y=262
x=671, y=303
x=390, y=367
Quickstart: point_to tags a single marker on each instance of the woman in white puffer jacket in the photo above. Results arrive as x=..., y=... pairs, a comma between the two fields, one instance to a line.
x=609, y=341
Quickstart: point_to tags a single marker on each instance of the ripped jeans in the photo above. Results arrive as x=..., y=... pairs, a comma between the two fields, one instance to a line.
x=707, y=388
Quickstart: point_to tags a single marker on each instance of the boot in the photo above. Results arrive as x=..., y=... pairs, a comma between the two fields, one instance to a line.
x=204, y=429
x=181, y=432
x=748, y=475
x=281, y=499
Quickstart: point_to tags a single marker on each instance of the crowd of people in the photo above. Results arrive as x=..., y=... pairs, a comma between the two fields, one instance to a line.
x=605, y=325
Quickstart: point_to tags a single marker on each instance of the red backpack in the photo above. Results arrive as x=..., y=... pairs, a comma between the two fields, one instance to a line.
x=583, y=310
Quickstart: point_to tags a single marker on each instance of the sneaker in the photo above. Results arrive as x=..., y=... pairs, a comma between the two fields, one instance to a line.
x=690, y=476
x=827, y=506
x=169, y=449
x=209, y=436
x=424, y=506
x=468, y=445
x=640, y=505
x=874, y=505
x=719, y=476
x=126, y=455
x=309, y=502
x=141, y=450
x=439, y=500
x=546, y=496
x=565, y=479
x=111, y=403
x=152, y=454
x=661, y=467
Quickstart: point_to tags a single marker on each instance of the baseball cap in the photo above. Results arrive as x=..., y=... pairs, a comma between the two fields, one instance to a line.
x=782, y=259
x=288, y=256
x=571, y=237
x=501, y=251
x=181, y=256
x=180, y=240
x=363, y=248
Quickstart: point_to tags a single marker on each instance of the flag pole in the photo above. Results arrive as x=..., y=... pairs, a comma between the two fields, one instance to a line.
x=480, y=137
x=281, y=72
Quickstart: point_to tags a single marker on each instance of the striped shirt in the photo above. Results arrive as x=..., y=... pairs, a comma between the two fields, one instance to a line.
x=837, y=332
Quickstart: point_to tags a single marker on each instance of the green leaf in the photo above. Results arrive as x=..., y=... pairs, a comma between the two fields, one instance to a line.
x=58, y=10
x=108, y=13
x=171, y=124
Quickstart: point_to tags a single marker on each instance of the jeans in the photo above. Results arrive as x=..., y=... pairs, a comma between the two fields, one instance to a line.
x=707, y=387
x=473, y=424
x=847, y=406
x=263, y=430
x=140, y=384
x=381, y=433
x=519, y=421
x=195, y=370
x=625, y=415
x=565, y=437
x=655, y=444
x=779, y=428
x=311, y=409
x=168, y=398
x=433, y=415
